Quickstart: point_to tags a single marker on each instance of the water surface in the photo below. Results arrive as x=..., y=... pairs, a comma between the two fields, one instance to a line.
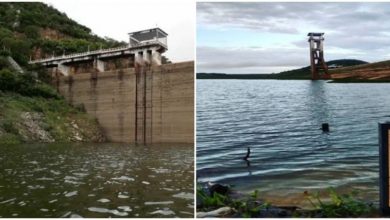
x=280, y=121
x=96, y=180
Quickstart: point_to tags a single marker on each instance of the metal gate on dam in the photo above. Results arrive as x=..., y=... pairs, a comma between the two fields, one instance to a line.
x=134, y=94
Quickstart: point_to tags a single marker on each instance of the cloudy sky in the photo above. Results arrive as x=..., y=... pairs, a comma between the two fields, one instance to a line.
x=272, y=37
x=116, y=18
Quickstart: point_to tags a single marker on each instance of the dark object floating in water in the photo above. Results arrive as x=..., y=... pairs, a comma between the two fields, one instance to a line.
x=248, y=153
x=218, y=188
x=325, y=127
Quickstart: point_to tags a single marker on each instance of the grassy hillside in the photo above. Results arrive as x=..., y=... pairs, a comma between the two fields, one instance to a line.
x=304, y=73
x=373, y=72
x=30, y=109
x=38, y=30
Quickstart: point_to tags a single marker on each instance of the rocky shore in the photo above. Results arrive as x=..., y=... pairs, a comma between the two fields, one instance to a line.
x=35, y=119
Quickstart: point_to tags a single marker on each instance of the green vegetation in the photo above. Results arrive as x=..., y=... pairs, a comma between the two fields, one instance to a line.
x=247, y=208
x=302, y=73
x=38, y=30
x=345, y=205
x=334, y=206
x=25, y=84
x=39, y=119
x=30, y=109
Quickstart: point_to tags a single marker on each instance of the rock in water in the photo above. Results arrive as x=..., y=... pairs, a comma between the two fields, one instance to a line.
x=218, y=188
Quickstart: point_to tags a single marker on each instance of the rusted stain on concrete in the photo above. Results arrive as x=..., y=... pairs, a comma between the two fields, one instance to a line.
x=162, y=97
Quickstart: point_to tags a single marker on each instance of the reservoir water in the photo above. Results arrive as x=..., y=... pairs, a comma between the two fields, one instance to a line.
x=96, y=180
x=280, y=121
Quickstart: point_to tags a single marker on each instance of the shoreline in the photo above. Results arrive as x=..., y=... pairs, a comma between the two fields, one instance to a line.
x=212, y=202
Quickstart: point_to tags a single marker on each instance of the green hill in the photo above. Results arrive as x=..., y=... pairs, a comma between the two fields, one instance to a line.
x=38, y=30
x=302, y=73
x=30, y=109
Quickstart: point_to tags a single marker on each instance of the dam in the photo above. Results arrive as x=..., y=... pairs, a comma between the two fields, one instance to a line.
x=134, y=92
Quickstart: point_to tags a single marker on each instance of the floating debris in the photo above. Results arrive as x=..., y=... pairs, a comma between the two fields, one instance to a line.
x=73, y=193
x=163, y=212
x=184, y=195
x=103, y=200
x=55, y=172
x=45, y=179
x=168, y=189
x=66, y=214
x=53, y=201
x=146, y=183
x=7, y=201
x=121, y=196
x=123, y=178
x=125, y=208
x=104, y=210
x=159, y=203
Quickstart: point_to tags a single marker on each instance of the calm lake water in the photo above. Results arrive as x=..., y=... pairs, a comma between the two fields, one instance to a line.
x=280, y=121
x=96, y=180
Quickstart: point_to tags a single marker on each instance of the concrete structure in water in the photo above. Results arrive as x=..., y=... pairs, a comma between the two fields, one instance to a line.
x=135, y=96
x=319, y=69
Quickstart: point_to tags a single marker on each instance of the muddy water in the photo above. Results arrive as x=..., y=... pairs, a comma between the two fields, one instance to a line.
x=96, y=180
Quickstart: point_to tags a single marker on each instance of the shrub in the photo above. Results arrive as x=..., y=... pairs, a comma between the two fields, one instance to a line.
x=8, y=80
x=9, y=127
x=345, y=205
x=25, y=84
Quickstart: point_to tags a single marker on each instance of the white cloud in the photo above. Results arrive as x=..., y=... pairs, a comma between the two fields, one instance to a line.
x=352, y=30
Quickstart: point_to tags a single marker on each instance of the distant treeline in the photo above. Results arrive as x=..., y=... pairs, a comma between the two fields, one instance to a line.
x=234, y=76
x=301, y=73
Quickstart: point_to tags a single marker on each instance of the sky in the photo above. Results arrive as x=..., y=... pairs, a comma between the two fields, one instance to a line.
x=253, y=37
x=116, y=18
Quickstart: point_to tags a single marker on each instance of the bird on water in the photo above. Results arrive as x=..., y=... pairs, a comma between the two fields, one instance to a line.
x=248, y=153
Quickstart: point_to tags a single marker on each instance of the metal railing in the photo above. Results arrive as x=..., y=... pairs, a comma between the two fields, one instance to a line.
x=100, y=51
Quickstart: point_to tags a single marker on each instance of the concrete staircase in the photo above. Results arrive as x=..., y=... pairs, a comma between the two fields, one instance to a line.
x=14, y=64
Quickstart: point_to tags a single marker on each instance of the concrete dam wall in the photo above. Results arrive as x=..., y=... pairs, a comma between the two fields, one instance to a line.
x=151, y=104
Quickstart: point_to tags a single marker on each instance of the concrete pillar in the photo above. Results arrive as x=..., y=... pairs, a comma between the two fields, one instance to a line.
x=147, y=57
x=99, y=65
x=156, y=57
x=63, y=69
x=139, y=58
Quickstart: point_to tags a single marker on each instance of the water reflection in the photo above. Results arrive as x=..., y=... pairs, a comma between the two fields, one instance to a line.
x=96, y=180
